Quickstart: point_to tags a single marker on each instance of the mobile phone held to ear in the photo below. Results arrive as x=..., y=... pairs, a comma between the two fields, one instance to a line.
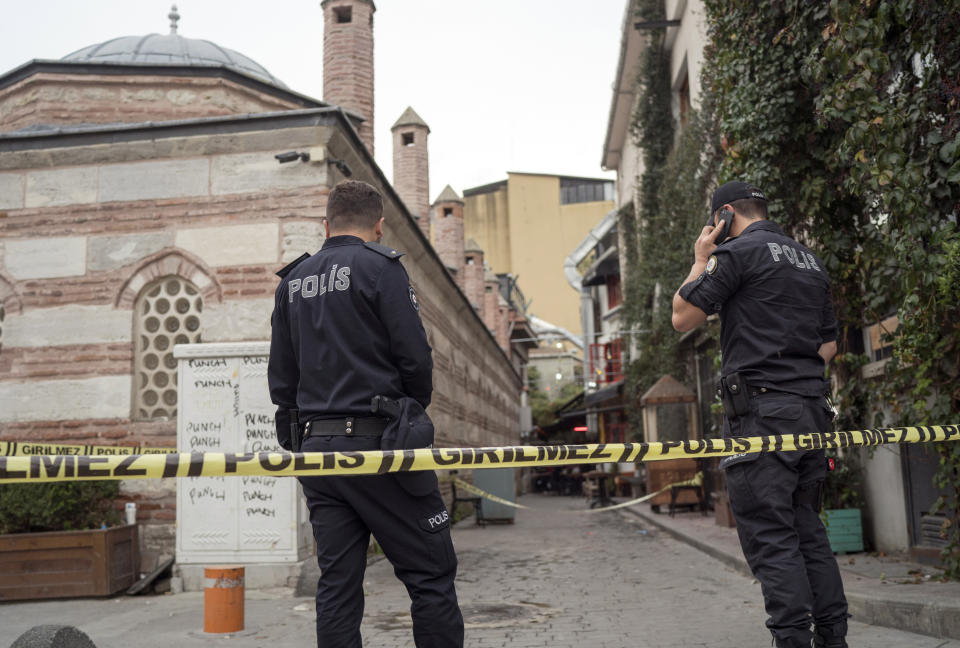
x=725, y=219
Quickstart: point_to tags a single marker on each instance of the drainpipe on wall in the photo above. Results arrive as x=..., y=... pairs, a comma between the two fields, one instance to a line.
x=543, y=327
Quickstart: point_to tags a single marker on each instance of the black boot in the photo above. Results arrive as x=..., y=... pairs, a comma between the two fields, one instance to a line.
x=830, y=637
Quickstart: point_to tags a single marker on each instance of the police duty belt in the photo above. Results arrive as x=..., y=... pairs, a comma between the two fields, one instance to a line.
x=372, y=462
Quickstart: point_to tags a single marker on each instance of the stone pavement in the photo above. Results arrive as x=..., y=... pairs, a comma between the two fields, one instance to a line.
x=554, y=578
x=889, y=591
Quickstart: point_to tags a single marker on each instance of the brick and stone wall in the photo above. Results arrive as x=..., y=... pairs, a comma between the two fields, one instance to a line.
x=65, y=99
x=84, y=231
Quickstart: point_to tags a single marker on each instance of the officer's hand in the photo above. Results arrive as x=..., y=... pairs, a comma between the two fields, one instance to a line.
x=705, y=244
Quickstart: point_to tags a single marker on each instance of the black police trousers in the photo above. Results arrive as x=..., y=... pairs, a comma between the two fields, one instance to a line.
x=414, y=533
x=773, y=497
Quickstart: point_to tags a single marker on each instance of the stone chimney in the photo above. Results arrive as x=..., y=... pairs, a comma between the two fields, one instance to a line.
x=411, y=168
x=491, y=300
x=348, y=59
x=448, y=231
x=503, y=325
x=473, y=275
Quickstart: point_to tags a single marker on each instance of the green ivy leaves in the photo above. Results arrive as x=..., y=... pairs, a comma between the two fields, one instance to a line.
x=847, y=113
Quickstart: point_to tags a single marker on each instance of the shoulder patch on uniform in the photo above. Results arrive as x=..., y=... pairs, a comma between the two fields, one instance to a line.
x=413, y=300
x=285, y=270
x=388, y=252
x=712, y=264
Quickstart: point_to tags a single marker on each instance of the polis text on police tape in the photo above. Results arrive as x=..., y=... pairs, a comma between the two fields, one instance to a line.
x=212, y=464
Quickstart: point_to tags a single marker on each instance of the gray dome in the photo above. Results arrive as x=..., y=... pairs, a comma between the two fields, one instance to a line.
x=171, y=49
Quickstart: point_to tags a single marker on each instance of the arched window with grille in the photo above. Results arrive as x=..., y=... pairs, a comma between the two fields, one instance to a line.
x=167, y=312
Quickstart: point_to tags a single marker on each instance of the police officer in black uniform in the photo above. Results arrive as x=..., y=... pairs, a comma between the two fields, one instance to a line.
x=777, y=332
x=346, y=327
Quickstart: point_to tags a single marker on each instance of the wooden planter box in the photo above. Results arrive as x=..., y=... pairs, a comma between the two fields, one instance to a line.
x=65, y=564
x=661, y=473
x=844, y=530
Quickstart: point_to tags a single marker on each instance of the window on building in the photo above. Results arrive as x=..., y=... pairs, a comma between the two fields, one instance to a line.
x=881, y=337
x=447, y=211
x=343, y=14
x=167, y=312
x=606, y=362
x=579, y=190
x=469, y=260
x=406, y=139
x=614, y=296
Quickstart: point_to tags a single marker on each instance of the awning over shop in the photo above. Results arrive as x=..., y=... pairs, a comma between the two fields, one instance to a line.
x=610, y=392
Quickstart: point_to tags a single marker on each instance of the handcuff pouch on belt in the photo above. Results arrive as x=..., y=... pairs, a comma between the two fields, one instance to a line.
x=296, y=434
x=409, y=428
x=734, y=394
x=287, y=423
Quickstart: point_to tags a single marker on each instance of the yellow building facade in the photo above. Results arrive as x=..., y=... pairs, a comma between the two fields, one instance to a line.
x=528, y=224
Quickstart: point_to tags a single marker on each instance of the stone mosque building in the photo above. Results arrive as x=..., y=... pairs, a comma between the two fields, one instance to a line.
x=143, y=205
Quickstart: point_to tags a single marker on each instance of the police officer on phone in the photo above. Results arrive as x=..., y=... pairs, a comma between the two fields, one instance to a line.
x=777, y=332
x=346, y=332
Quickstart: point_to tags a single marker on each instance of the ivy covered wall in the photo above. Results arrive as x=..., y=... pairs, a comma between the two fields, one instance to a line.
x=847, y=114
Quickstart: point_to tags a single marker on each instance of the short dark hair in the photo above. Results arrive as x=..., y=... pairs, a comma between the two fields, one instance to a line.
x=750, y=207
x=353, y=203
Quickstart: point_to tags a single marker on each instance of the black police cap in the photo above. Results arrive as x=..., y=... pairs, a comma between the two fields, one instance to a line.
x=736, y=190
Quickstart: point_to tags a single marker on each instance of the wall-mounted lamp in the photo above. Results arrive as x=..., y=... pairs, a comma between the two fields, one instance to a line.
x=341, y=166
x=316, y=155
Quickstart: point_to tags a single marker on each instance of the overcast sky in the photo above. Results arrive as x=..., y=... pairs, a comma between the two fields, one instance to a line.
x=505, y=85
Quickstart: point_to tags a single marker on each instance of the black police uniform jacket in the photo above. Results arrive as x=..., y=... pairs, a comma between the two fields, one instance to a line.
x=346, y=327
x=773, y=296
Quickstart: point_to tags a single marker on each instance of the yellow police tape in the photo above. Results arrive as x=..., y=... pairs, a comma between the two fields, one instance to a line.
x=23, y=449
x=371, y=462
x=470, y=488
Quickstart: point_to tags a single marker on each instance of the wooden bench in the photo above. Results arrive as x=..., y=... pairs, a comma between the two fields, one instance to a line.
x=476, y=500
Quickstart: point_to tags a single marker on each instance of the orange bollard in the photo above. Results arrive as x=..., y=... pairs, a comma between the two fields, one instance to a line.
x=223, y=599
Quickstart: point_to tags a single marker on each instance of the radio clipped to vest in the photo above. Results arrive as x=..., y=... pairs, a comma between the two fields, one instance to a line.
x=733, y=393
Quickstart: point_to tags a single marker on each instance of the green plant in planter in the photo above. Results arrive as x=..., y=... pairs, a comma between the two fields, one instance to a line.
x=843, y=487
x=58, y=506
x=842, y=501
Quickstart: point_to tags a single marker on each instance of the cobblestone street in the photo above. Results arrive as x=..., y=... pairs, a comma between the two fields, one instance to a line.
x=557, y=578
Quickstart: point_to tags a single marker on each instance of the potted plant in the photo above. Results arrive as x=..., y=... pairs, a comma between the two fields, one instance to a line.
x=64, y=539
x=843, y=501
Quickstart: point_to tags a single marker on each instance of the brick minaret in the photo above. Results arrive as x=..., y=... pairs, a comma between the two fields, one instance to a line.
x=448, y=231
x=411, y=168
x=348, y=59
x=491, y=300
x=503, y=326
x=473, y=275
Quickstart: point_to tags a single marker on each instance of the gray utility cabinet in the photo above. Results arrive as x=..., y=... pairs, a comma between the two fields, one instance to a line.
x=499, y=482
